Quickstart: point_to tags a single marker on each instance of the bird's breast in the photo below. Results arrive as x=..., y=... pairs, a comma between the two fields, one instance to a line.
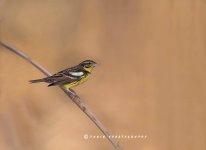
x=82, y=80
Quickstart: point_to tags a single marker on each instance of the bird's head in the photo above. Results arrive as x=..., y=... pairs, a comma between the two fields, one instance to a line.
x=88, y=65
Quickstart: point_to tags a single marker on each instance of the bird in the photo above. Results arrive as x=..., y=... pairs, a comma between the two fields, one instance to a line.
x=70, y=77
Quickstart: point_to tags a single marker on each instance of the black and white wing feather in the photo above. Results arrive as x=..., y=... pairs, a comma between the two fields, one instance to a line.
x=66, y=76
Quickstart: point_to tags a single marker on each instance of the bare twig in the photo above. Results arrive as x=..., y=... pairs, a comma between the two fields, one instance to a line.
x=75, y=98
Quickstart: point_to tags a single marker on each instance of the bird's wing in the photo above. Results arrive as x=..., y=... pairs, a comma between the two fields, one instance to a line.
x=74, y=71
x=66, y=76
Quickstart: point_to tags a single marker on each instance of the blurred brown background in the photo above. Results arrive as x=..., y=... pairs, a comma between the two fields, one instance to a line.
x=151, y=79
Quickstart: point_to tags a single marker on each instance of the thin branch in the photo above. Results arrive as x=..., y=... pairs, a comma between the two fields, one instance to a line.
x=74, y=97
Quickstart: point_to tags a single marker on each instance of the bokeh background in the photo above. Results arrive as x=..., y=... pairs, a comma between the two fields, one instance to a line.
x=151, y=77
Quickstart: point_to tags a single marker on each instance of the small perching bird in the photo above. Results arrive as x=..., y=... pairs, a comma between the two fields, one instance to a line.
x=70, y=77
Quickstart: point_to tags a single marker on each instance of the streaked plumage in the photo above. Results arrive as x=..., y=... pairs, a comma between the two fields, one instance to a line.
x=70, y=77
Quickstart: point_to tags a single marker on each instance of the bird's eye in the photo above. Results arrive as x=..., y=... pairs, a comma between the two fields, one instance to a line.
x=87, y=66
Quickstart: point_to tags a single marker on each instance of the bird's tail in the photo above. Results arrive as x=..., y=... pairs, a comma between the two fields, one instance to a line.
x=37, y=80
